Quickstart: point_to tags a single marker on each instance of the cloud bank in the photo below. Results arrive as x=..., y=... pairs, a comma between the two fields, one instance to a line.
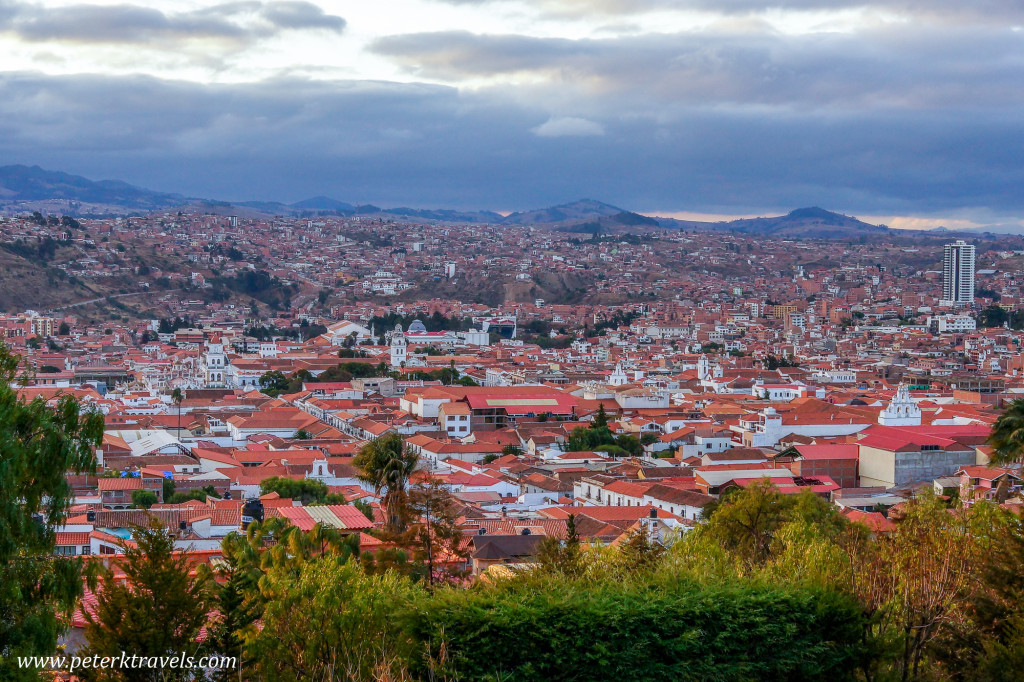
x=914, y=108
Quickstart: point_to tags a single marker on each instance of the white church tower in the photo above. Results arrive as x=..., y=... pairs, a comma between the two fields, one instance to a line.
x=703, y=368
x=901, y=411
x=618, y=377
x=215, y=364
x=399, y=347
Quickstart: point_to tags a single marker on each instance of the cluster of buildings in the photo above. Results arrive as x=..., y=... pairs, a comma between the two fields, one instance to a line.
x=854, y=371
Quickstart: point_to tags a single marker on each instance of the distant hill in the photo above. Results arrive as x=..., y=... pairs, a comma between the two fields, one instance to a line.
x=584, y=209
x=27, y=188
x=623, y=222
x=995, y=228
x=32, y=183
x=324, y=204
x=806, y=223
x=446, y=215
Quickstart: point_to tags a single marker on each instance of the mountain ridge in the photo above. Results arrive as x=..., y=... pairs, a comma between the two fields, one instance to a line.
x=27, y=188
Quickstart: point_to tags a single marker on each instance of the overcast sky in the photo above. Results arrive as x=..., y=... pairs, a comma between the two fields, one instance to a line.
x=911, y=111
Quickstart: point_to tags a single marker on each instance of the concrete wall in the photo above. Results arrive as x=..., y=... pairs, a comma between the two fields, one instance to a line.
x=926, y=466
x=889, y=469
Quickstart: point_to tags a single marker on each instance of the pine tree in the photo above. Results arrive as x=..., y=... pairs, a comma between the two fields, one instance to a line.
x=239, y=603
x=641, y=552
x=562, y=556
x=158, y=610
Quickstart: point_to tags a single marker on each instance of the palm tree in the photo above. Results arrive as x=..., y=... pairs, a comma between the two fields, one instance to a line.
x=387, y=464
x=1007, y=437
x=177, y=397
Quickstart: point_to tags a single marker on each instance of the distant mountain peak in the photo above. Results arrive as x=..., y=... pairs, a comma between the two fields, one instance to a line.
x=813, y=212
x=582, y=209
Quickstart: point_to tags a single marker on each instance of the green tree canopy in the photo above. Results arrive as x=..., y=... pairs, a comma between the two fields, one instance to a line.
x=143, y=499
x=39, y=443
x=1007, y=437
x=387, y=464
x=306, y=490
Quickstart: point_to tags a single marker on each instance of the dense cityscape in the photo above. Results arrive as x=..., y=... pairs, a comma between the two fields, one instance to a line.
x=511, y=341
x=540, y=390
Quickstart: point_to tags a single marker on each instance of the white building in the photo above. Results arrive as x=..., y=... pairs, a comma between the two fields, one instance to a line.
x=901, y=411
x=214, y=364
x=399, y=348
x=958, y=273
x=942, y=324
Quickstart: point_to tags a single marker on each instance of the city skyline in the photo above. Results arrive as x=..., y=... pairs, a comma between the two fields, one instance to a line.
x=688, y=108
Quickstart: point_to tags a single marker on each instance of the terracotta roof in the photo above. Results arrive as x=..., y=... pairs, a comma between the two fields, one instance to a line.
x=344, y=517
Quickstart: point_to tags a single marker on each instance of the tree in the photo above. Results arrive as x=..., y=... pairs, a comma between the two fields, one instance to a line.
x=329, y=621
x=177, y=397
x=274, y=383
x=562, y=555
x=1007, y=437
x=39, y=443
x=928, y=562
x=592, y=437
x=199, y=494
x=987, y=643
x=992, y=316
x=64, y=329
x=387, y=464
x=143, y=499
x=640, y=552
x=157, y=610
x=336, y=373
x=745, y=520
x=630, y=443
x=237, y=602
x=306, y=490
x=436, y=540
x=361, y=370
x=303, y=434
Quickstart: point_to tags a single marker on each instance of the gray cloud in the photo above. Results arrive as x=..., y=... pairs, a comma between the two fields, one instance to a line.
x=986, y=11
x=415, y=144
x=301, y=15
x=891, y=66
x=134, y=24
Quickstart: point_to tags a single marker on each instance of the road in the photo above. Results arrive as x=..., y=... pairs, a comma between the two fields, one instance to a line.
x=103, y=298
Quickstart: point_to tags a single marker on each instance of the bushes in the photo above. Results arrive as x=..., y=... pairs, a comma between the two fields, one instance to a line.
x=544, y=629
x=768, y=587
x=334, y=619
x=331, y=622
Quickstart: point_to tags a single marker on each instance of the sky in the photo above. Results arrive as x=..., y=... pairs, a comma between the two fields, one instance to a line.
x=901, y=111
